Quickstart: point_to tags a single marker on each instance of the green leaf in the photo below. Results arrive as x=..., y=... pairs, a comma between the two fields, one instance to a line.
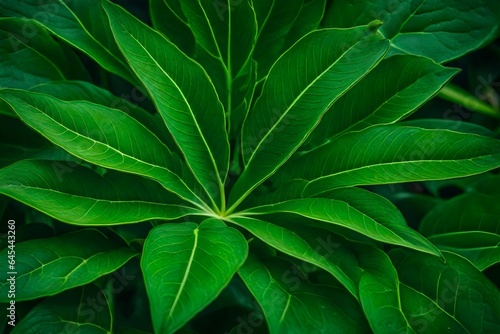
x=425, y=315
x=292, y=244
x=225, y=29
x=94, y=133
x=440, y=30
x=226, y=32
x=457, y=125
x=288, y=108
x=467, y=225
x=391, y=154
x=480, y=248
x=292, y=304
x=358, y=210
x=30, y=56
x=168, y=18
x=391, y=91
x=183, y=95
x=82, y=24
x=370, y=269
x=446, y=297
x=69, y=90
x=289, y=190
x=69, y=312
x=186, y=266
x=15, y=153
x=380, y=292
x=78, y=195
x=47, y=267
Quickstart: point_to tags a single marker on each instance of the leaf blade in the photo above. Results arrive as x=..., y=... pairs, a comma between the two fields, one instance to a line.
x=91, y=132
x=194, y=116
x=174, y=287
x=77, y=195
x=283, y=296
x=358, y=210
x=390, y=154
x=287, y=125
x=70, y=258
x=66, y=313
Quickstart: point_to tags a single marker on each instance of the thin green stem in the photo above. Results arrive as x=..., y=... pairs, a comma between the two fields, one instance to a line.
x=455, y=94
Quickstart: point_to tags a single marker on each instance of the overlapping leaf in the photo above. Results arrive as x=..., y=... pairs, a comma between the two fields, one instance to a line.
x=307, y=20
x=275, y=20
x=168, y=18
x=47, y=267
x=30, y=56
x=292, y=244
x=391, y=91
x=225, y=32
x=69, y=90
x=186, y=266
x=390, y=154
x=379, y=291
x=358, y=210
x=446, y=297
x=69, y=312
x=96, y=134
x=468, y=225
x=82, y=24
x=293, y=304
x=183, y=95
x=372, y=271
x=78, y=195
x=301, y=86
x=18, y=141
x=440, y=30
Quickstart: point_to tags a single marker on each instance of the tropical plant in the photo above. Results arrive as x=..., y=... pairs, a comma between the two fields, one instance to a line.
x=242, y=165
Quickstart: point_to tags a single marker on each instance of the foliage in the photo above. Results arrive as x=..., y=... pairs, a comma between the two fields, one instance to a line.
x=222, y=166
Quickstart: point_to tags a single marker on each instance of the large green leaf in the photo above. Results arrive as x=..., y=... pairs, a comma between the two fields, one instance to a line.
x=95, y=133
x=186, y=266
x=78, y=195
x=69, y=90
x=47, y=267
x=74, y=311
x=183, y=95
x=358, y=210
x=82, y=24
x=292, y=244
x=31, y=56
x=294, y=305
x=391, y=154
x=325, y=63
x=454, y=297
x=439, y=29
x=391, y=91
